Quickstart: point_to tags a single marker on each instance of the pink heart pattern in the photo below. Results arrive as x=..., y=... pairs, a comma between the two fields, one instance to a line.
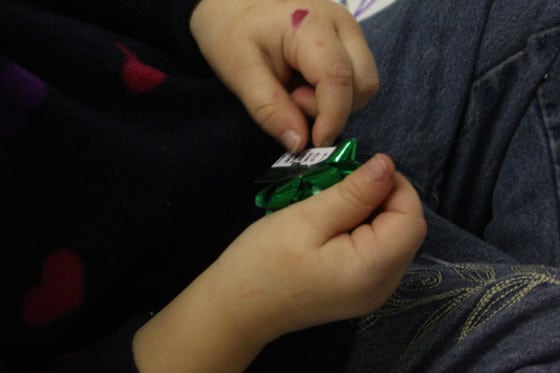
x=60, y=292
x=139, y=77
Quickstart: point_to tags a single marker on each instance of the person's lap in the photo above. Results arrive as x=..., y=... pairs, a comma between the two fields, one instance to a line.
x=466, y=112
x=469, y=110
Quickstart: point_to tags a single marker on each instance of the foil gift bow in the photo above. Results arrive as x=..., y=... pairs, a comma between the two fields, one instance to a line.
x=296, y=177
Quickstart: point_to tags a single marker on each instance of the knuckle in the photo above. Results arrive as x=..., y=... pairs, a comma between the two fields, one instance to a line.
x=352, y=193
x=365, y=90
x=340, y=73
x=264, y=112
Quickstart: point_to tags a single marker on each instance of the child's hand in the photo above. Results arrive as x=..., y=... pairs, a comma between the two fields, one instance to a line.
x=259, y=47
x=318, y=261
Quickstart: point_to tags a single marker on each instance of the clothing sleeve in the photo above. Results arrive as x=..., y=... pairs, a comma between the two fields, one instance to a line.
x=161, y=23
x=110, y=355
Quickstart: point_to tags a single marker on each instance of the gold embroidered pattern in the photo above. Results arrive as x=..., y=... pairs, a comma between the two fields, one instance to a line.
x=502, y=294
x=420, y=286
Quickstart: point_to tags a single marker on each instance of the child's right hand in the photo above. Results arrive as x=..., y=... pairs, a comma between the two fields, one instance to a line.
x=257, y=46
x=319, y=260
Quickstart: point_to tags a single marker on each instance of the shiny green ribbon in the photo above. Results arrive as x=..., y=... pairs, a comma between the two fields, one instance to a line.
x=296, y=183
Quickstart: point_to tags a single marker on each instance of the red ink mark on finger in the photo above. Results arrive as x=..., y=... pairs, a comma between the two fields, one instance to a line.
x=298, y=15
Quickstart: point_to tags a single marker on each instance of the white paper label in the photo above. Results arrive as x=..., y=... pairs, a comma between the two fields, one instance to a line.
x=306, y=157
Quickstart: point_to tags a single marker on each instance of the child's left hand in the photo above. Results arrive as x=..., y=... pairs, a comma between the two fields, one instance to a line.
x=324, y=258
x=319, y=260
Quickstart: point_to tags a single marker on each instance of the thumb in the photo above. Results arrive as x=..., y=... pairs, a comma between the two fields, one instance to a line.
x=346, y=204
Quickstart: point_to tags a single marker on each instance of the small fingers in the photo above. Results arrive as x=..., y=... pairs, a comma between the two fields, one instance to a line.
x=334, y=94
x=365, y=75
x=316, y=52
x=335, y=60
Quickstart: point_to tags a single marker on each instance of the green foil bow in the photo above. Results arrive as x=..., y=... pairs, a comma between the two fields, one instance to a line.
x=295, y=183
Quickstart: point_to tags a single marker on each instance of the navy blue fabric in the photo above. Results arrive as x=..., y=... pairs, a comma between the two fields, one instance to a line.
x=469, y=109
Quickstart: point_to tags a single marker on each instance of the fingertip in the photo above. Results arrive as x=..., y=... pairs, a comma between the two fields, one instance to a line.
x=324, y=141
x=287, y=124
x=325, y=134
x=379, y=167
x=292, y=141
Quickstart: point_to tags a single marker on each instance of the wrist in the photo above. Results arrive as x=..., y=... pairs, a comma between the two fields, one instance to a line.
x=240, y=305
x=196, y=332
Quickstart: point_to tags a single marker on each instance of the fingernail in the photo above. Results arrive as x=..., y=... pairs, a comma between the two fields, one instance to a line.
x=290, y=140
x=376, y=168
x=328, y=142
